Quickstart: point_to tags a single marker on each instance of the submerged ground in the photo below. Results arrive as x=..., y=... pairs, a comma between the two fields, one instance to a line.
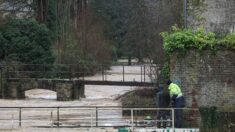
x=95, y=96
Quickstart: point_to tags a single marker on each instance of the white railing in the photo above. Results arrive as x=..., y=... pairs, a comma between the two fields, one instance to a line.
x=74, y=117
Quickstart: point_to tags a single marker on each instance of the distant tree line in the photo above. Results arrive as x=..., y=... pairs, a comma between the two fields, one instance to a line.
x=134, y=26
x=94, y=31
x=75, y=33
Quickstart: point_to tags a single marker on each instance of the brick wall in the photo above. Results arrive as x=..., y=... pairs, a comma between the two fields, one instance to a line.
x=214, y=15
x=206, y=79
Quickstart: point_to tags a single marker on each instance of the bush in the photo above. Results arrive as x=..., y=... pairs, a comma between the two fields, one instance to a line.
x=184, y=39
x=26, y=41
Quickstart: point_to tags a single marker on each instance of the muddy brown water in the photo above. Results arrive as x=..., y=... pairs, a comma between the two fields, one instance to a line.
x=95, y=96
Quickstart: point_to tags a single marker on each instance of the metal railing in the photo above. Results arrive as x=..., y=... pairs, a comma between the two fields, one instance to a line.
x=76, y=117
x=76, y=71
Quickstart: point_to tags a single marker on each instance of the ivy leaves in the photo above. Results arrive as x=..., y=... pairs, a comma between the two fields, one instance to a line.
x=228, y=41
x=185, y=39
x=182, y=40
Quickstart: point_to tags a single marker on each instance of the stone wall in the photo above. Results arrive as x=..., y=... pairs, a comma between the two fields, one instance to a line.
x=206, y=79
x=214, y=15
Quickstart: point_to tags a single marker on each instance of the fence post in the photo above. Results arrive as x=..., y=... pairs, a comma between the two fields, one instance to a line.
x=102, y=72
x=12, y=121
x=70, y=72
x=51, y=119
x=77, y=71
x=132, y=121
x=2, y=89
x=144, y=73
x=43, y=69
x=123, y=72
x=20, y=117
x=96, y=116
x=141, y=73
x=58, y=116
x=7, y=70
x=56, y=71
x=173, y=119
x=105, y=75
x=91, y=118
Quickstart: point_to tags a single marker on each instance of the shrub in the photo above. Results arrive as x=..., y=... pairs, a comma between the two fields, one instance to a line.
x=184, y=39
x=26, y=41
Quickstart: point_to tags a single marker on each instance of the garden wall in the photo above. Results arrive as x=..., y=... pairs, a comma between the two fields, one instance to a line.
x=215, y=15
x=206, y=79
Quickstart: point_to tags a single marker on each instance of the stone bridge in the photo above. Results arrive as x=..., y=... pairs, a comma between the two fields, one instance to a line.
x=66, y=89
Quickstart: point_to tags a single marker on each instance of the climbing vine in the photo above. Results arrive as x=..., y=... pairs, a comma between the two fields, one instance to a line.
x=182, y=40
x=228, y=41
x=165, y=72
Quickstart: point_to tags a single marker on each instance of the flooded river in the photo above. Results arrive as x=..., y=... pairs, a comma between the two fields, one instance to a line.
x=95, y=96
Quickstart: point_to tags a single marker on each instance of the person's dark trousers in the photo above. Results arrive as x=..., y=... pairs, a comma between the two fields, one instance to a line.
x=179, y=104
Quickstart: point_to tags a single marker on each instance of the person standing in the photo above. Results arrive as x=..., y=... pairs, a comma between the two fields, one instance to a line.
x=162, y=101
x=178, y=102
